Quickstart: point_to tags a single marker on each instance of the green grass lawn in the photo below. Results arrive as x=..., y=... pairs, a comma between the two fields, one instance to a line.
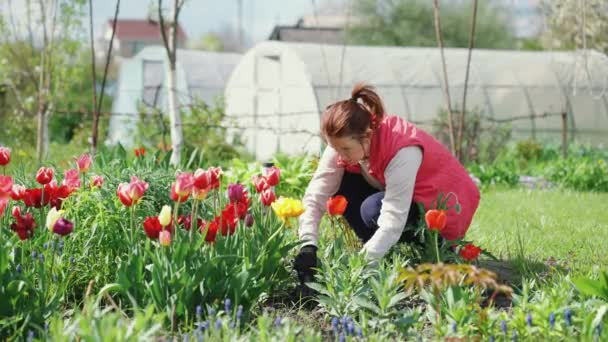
x=569, y=226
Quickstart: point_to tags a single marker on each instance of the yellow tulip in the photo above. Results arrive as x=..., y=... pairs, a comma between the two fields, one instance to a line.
x=52, y=217
x=165, y=216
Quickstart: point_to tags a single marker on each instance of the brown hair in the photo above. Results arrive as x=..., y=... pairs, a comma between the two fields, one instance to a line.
x=353, y=117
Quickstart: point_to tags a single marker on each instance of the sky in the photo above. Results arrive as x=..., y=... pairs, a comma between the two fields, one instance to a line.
x=200, y=16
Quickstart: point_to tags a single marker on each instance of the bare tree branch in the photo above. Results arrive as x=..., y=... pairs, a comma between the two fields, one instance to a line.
x=163, y=32
x=445, y=74
x=459, y=153
x=109, y=56
x=94, y=83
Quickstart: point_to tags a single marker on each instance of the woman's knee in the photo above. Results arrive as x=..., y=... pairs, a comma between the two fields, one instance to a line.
x=370, y=209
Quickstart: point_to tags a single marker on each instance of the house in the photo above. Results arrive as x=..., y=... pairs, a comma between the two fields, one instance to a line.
x=132, y=36
x=327, y=29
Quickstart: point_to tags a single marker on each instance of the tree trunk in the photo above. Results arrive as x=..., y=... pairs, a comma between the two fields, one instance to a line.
x=177, y=139
x=42, y=141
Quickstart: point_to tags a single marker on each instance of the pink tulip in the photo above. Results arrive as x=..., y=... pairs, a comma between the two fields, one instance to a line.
x=130, y=193
x=71, y=179
x=184, y=182
x=83, y=163
x=6, y=185
x=97, y=181
x=165, y=238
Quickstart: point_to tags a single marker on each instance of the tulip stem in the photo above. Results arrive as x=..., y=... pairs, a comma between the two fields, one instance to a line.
x=175, y=212
x=436, y=234
x=193, y=217
x=132, y=223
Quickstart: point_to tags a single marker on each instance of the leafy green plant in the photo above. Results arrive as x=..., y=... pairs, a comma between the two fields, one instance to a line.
x=592, y=287
x=340, y=281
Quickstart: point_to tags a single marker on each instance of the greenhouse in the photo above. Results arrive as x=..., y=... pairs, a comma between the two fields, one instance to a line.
x=278, y=90
x=201, y=75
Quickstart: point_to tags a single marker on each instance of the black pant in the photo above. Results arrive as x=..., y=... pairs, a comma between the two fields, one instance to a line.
x=363, y=209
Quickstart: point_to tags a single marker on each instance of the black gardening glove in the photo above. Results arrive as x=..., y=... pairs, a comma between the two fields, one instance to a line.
x=304, y=263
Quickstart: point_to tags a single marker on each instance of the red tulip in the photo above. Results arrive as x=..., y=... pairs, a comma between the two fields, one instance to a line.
x=140, y=152
x=201, y=179
x=268, y=197
x=273, y=176
x=260, y=183
x=3, y=204
x=33, y=198
x=435, y=219
x=176, y=197
x=56, y=194
x=5, y=155
x=229, y=220
x=16, y=212
x=97, y=181
x=152, y=227
x=83, y=163
x=17, y=192
x=336, y=205
x=44, y=175
x=214, y=174
x=212, y=228
x=470, y=252
x=24, y=226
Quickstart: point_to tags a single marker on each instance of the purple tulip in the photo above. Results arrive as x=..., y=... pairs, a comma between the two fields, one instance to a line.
x=248, y=220
x=63, y=227
x=235, y=192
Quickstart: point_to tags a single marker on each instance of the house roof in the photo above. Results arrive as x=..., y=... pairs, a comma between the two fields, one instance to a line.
x=308, y=34
x=141, y=29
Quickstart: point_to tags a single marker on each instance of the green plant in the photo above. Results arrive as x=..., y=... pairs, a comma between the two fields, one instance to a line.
x=96, y=323
x=592, y=287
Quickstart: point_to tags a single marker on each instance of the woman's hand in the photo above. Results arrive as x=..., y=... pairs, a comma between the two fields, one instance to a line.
x=304, y=263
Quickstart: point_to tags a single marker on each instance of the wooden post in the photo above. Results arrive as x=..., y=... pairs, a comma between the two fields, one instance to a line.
x=565, y=134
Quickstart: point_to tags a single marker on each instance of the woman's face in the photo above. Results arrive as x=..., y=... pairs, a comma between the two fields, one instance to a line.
x=350, y=149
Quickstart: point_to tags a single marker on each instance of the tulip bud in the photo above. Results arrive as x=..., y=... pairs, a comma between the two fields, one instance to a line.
x=248, y=220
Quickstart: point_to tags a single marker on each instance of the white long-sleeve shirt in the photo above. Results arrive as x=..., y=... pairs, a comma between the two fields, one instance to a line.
x=400, y=177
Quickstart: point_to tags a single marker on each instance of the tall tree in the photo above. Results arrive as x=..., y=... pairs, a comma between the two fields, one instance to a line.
x=410, y=23
x=41, y=48
x=168, y=30
x=576, y=24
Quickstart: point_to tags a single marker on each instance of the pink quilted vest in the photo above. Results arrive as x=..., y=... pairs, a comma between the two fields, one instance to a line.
x=440, y=172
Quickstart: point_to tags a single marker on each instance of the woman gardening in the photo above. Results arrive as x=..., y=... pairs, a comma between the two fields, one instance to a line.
x=384, y=166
